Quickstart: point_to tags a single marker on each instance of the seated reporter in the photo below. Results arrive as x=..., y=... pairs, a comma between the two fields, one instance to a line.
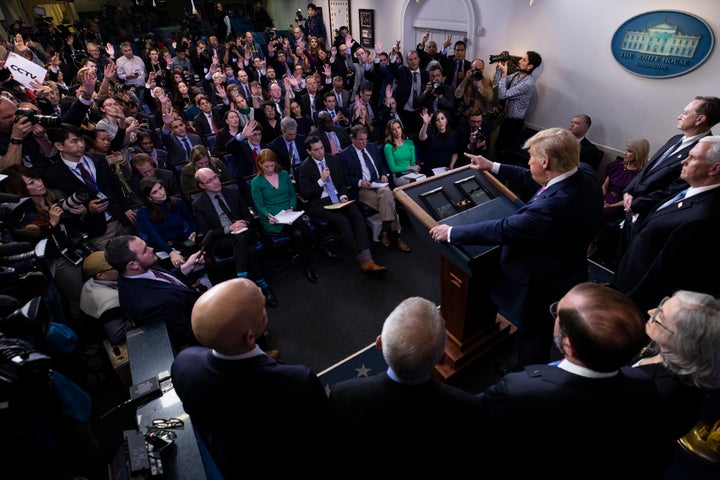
x=166, y=222
x=272, y=192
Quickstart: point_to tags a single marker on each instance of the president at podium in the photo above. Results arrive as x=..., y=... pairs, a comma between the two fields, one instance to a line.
x=544, y=243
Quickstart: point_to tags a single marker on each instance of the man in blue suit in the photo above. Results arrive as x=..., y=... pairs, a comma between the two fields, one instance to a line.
x=660, y=178
x=363, y=169
x=670, y=246
x=249, y=410
x=589, y=397
x=149, y=293
x=544, y=244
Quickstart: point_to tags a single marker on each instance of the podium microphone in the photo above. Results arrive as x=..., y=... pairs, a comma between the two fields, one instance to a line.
x=466, y=200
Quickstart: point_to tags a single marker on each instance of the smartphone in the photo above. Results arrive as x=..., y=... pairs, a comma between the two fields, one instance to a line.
x=102, y=197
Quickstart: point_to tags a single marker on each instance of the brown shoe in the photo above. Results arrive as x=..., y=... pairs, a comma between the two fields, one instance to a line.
x=402, y=246
x=372, y=269
x=385, y=239
x=275, y=353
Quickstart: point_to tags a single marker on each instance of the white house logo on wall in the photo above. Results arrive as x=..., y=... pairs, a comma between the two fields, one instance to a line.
x=662, y=44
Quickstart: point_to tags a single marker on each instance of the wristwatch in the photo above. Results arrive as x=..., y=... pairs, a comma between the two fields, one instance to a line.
x=16, y=141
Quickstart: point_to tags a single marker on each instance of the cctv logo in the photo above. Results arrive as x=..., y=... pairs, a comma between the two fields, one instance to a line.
x=20, y=70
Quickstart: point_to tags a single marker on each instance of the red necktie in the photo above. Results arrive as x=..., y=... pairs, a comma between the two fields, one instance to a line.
x=167, y=278
x=86, y=176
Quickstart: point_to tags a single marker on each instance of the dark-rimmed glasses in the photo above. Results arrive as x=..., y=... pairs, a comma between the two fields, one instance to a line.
x=657, y=315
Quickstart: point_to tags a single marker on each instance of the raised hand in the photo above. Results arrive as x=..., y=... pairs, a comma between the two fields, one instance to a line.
x=448, y=41
x=378, y=48
x=425, y=116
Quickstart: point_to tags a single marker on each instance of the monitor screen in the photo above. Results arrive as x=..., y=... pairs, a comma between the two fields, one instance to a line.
x=471, y=189
x=439, y=203
x=40, y=11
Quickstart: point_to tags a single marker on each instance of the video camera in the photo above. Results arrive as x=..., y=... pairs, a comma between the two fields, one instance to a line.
x=299, y=17
x=37, y=119
x=504, y=56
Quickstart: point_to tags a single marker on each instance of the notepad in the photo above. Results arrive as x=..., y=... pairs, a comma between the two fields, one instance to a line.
x=244, y=229
x=288, y=216
x=338, y=205
x=378, y=185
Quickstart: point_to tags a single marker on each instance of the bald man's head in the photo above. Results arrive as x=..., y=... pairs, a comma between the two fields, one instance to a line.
x=230, y=317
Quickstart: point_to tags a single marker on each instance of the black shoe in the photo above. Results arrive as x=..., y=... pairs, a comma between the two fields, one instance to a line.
x=326, y=252
x=310, y=275
x=270, y=299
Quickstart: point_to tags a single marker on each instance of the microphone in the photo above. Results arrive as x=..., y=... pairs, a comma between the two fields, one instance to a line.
x=9, y=198
x=15, y=248
x=209, y=237
x=466, y=200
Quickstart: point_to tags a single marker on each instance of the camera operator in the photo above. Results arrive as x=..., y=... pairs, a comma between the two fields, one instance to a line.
x=515, y=90
x=435, y=97
x=21, y=139
x=473, y=136
x=475, y=90
x=55, y=218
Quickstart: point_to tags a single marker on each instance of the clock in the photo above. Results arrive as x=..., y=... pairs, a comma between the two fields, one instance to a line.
x=339, y=14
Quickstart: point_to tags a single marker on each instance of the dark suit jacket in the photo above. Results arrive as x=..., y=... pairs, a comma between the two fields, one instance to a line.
x=405, y=419
x=590, y=154
x=341, y=133
x=592, y=410
x=345, y=94
x=544, y=243
x=353, y=169
x=669, y=248
x=166, y=177
x=202, y=126
x=403, y=75
x=288, y=403
x=305, y=104
x=243, y=158
x=145, y=301
x=651, y=186
x=279, y=146
x=448, y=67
x=309, y=176
x=58, y=176
x=175, y=149
x=208, y=219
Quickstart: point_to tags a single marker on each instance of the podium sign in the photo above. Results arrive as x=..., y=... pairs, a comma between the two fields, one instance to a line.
x=467, y=272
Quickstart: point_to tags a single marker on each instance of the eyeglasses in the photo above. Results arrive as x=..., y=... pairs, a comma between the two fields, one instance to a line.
x=169, y=423
x=554, y=309
x=658, y=313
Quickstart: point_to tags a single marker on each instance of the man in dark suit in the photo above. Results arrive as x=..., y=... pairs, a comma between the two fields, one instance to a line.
x=669, y=247
x=149, y=293
x=411, y=81
x=545, y=239
x=289, y=146
x=108, y=214
x=245, y=152
x=231, y=373
x=455, y=66
x=208, y=121
x=146, y=144
x=177, y=141
x=404, y=409
x=590, y=396
x=322, y=184
x=363, y=168
x=660, y=178
x=333, y=138
x=143, y=167
x=224, y=213
x=340, y=116
x=310, y=101
x=342, y=96
x=589, y=153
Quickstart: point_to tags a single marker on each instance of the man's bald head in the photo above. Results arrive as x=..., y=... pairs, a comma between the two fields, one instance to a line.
x=230, y=317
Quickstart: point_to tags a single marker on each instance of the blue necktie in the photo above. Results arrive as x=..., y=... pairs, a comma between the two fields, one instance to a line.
x=676, y=198
x=370, y=166
x=329, y=187
x=188, y=147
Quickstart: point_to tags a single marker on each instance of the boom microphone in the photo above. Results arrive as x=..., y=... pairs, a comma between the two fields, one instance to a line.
x=15, y=248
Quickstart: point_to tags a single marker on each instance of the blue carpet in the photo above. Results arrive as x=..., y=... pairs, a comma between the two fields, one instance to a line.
x=364, y=363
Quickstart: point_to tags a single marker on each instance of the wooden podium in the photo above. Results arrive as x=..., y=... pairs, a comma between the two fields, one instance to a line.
x=459, y=197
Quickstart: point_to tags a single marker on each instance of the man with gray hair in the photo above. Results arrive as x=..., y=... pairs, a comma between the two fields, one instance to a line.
x=674, y=244
x=404, y=410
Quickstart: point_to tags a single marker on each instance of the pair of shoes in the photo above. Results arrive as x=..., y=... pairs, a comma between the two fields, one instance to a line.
x=326, y=252
x=402, y=246
x=270, y=299
x=310, y=275
x=385, y=239
x=373, y=269
x=274, y=353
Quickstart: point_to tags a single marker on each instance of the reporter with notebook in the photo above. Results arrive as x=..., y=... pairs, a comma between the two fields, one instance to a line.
x=322, y=185
x=273, y=192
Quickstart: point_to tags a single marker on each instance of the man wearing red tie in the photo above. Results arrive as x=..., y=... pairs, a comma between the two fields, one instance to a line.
x=246, y=152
